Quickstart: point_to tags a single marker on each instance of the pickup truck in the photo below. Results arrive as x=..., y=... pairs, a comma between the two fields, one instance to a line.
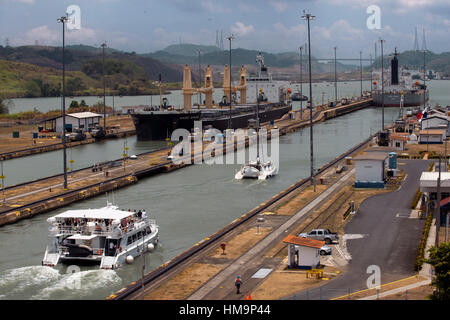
x=322, y=235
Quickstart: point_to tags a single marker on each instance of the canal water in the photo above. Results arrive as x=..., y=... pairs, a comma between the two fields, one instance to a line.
x=188, y=204
x=345, y=89
x=438, y=94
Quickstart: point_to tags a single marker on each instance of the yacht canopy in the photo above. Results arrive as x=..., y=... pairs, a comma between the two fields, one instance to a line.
x=102, y=213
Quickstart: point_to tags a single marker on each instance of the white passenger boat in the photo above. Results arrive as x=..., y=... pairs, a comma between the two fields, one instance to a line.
x=257, y=170
x=107, y=236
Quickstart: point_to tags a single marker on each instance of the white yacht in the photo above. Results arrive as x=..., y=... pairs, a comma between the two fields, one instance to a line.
x=257, y=170
x=107, y=236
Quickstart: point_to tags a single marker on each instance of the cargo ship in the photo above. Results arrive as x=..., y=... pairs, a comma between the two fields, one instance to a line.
x=158, y=123
x=414, y=93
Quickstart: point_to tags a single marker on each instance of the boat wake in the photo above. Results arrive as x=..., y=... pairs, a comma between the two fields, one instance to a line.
x=37, y=282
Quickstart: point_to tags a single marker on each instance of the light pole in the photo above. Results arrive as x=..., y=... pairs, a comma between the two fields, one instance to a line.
x=360, y=71
x=301, y=82
x=230, y=38
x=308, y=17
x=3, y=182
x=335, y=77
x=63, y=20
x=104, y=85
x=200, y=81
x=424, y=79
x=382, y=86
x=371, y=74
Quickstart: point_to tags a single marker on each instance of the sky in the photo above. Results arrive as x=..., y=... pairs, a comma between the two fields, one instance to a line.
x=268, y=25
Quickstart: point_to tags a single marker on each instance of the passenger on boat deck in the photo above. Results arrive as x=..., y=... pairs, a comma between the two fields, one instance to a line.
x=139, y=213
x=144, y=214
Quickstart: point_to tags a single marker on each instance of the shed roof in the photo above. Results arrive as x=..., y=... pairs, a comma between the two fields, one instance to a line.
x=431, y=132
x=379, y=156
x=77, y=115
x=82, y=115
x=398, y=137
x=305, y=242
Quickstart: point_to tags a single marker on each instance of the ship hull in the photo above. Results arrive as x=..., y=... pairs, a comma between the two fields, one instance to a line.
x=393, y=99
x=159, y=126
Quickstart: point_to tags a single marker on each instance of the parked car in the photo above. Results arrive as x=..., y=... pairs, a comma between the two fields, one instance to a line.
x=325, y=250
x=322, y=235
x=76, y=135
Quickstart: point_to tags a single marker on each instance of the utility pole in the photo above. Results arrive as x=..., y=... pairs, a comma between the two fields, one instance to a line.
x=301, y=82
x=371, y=73
x=3, y=182
x=424, y=79
x=308, y=17
x=438, y=204
x=360, y=71
x=200, y=75
x=104, y=85
x=230, y=38
x=63, y=20
x=335, y=78
x=382, y=85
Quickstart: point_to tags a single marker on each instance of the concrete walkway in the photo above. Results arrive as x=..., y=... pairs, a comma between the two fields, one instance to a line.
x=237, y=266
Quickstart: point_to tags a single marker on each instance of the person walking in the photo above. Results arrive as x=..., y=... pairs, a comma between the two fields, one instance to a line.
x=238, y=283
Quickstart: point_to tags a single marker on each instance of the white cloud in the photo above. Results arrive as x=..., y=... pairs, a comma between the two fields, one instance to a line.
x=22, y=1
x=214, y=7
x=241, y=29
x=43, y=35
x=279, y=6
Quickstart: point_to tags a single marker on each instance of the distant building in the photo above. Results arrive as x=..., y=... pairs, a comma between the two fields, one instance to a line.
x=438, y=121
x=432, y=136
x=80, y=120
x=398, y=141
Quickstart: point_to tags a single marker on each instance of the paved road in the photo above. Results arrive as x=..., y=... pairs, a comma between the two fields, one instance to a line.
x=390, y=239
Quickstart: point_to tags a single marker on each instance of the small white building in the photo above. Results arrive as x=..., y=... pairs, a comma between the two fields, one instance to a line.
x=398, y=141
x=432, y=136
x=80, y=120
x=428, y=182
x=303, y=253
x=370, y=169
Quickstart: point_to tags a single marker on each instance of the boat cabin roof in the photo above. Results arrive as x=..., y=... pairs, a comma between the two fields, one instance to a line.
x=110, y=212
x=82, y=237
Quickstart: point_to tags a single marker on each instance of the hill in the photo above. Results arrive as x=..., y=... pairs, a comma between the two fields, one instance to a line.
x=180, y=54
x=76, y=56
x=190, y=50
x=414, y=59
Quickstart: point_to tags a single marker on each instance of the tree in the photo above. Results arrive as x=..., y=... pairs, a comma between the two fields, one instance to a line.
x=3, y=106
x=32, y=89
x=74, y=104
x=440, y=260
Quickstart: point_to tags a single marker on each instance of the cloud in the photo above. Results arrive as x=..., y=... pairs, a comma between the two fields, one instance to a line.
x=241, y=29
x=22, y=1
x=279, y=6
x=43, y=35
x=214, y=7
